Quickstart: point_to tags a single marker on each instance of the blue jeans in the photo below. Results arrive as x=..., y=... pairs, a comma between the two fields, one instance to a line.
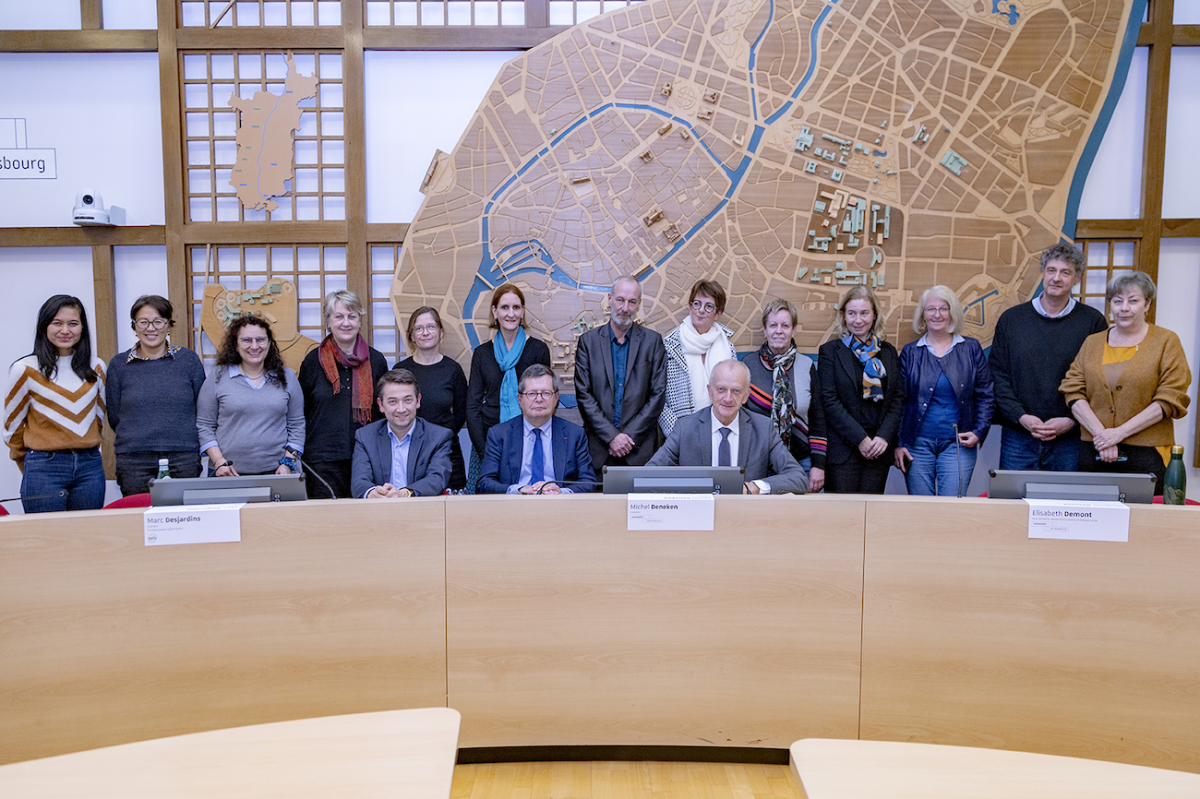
x=64, y=479
x=1019, y=450
x=940, y=467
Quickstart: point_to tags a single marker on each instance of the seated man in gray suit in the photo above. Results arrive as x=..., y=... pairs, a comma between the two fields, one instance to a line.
x=400, y=455
x=728, y=435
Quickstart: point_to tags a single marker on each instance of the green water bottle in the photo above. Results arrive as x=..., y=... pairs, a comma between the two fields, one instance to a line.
x=1175, y=483
x=164, y=470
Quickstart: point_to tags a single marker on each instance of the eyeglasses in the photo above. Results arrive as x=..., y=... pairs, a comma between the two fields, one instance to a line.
x=426, y=329
x=706, y=307
x=538, y=394
x=251, y=341
x=938, y=310
x=147, y=324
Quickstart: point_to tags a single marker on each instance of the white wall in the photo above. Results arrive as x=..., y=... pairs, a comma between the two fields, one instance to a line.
x=99, y=112
x=1178, y=301
x=417, y=103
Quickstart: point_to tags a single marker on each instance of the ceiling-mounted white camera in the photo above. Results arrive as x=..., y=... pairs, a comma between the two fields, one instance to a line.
x=89, y=209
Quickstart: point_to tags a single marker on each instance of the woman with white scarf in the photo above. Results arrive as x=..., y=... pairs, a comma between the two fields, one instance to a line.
x=693, y=349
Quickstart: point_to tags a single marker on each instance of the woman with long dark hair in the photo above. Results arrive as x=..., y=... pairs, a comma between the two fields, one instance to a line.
x=250, y=413
x=54, y=413
x=338, y=380
x=150, y=397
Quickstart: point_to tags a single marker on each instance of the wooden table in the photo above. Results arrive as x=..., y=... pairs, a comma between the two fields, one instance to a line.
x=846, y=769
x=393, y=753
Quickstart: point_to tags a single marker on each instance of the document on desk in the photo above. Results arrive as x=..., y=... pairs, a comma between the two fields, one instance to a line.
x=1077, y=520
x=193, y=524
x=674, y=512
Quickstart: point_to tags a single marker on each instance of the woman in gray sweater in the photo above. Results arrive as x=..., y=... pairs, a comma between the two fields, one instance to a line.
x=250, y=412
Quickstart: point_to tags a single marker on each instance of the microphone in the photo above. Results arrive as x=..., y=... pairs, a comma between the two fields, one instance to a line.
x=958, y=459
x=56, y=495
x=313, y=473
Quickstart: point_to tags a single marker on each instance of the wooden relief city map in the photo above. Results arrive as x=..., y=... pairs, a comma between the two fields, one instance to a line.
x=783, y=149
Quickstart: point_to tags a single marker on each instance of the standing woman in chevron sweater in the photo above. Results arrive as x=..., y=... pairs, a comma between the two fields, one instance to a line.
x=54, y=413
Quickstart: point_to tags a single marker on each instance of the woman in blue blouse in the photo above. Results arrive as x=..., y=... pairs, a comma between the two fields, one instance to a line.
x=948, y=399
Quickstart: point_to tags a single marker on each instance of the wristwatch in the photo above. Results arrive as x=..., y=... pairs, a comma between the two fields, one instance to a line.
x=407, y=492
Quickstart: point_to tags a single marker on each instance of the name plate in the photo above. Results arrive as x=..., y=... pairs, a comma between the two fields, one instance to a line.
x=676, y=512
x=1076, y=520
x=193, y=524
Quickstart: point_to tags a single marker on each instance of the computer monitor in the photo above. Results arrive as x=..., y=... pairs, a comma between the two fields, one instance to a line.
x=1090, y=486
x=217, y=490
x=673, y=479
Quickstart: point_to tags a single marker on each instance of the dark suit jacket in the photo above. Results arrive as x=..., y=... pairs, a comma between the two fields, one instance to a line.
x=428, y=458
x=760, y=451
x=505, y=445
x=483, y=389
x=848, y=418
x=642, y=402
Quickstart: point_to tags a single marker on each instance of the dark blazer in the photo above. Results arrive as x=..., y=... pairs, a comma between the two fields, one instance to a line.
x=760, y=451
x=428, y=458
x=483, y=389
x=848, y=418
x=505, y=445
x=642, y=402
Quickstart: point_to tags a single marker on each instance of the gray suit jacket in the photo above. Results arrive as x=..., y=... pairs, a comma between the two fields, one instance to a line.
x=760, y=451
x=645, y=391
x=428, y=458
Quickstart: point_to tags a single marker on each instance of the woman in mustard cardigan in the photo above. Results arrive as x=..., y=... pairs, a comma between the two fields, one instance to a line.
x=1128, y=385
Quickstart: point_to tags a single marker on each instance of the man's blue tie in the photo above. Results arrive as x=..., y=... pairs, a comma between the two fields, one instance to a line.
x=723, y=458
x=537, y=467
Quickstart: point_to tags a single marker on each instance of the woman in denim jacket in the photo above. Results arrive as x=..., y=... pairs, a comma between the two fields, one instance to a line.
x=948, y=399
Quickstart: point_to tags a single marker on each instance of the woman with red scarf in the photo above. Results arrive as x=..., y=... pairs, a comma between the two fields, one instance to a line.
x=338, y=380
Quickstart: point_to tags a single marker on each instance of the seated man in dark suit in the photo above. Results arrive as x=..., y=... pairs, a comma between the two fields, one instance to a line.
x=400, y=455
x=536, y=451
x=728, y=435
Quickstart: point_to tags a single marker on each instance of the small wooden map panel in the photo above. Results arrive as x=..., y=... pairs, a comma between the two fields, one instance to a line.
x=783, y=149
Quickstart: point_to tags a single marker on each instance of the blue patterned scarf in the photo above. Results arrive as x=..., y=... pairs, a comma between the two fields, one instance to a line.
x=507, y=359
x=867, y=353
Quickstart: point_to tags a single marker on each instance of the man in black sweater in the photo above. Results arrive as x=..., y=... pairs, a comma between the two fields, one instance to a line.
x=1034, y=345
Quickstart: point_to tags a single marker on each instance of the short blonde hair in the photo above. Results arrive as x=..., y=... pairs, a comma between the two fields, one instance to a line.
x=858, y=293
x=940, y=293
x=774, y=307
x=345, y=297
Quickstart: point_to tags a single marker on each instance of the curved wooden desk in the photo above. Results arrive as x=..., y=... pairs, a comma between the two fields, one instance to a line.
x=392, y=753
x=828, y=769
x=545, y=622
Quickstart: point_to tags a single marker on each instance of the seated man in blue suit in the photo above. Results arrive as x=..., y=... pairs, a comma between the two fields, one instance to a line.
x=400, y=455
x=536, y=452
x=728, y=435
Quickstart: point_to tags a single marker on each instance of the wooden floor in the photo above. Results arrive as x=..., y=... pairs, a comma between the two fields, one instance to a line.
x=623, y=780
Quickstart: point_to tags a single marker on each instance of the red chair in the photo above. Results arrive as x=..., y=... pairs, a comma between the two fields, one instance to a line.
x=131, y=501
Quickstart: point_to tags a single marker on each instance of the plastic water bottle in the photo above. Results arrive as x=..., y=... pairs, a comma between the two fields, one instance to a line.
x=1175, y=482
x=164, y=470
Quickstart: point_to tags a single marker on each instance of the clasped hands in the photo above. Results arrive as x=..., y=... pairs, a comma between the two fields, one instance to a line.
x=1047, y=430
x=542, y=487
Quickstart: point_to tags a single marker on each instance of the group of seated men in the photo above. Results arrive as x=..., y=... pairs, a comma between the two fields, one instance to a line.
x=537, y=453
